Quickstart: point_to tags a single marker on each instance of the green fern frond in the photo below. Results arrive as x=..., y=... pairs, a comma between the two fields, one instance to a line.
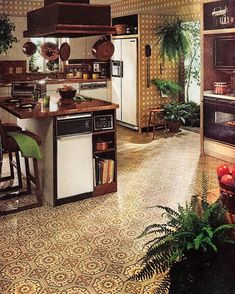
x=223, y=228
x=168, y=210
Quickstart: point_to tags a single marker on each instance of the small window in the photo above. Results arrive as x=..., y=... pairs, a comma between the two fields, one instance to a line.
x=37, y=63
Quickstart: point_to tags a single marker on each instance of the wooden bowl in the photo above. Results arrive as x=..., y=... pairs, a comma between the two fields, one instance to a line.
x=69, y=94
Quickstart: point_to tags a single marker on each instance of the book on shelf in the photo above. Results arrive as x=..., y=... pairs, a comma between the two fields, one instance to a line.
x=103, y=170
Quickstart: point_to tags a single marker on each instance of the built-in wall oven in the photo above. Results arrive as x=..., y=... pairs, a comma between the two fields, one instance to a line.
x=219, y=119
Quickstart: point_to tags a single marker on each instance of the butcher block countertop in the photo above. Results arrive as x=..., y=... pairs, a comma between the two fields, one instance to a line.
x=56, y=107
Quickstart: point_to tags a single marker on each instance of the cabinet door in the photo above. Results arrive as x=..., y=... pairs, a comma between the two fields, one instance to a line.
x=78, y=48
x=4, y=115
x=74, y=165
x=90, y=43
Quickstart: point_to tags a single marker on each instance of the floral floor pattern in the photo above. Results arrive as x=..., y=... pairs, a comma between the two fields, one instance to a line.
x=90, y=246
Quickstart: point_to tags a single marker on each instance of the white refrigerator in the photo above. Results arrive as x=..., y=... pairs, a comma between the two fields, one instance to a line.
x=124, y=80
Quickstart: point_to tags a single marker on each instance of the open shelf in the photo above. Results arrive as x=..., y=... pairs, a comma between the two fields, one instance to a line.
x=104, y=189
x=103, y=132
x=104, y=151
x=105, y=161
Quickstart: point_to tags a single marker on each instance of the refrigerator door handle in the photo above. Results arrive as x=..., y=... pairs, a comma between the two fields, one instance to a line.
x=121, y=69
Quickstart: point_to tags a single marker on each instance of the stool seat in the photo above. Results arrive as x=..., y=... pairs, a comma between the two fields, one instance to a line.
x=12, y=145
x=158, y=118
x=10, y=127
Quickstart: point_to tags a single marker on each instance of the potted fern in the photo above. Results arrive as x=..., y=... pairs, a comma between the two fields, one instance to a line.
x=167, y=87
x=6, y=33
x=188, y=248
x=176, y=114
x=174, y=39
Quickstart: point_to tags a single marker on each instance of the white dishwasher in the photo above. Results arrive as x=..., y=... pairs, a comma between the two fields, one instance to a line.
x=96, y=90
x=74, y=155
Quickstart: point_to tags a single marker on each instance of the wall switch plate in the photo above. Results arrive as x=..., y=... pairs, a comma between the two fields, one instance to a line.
x=10, y=70
x=19, y=70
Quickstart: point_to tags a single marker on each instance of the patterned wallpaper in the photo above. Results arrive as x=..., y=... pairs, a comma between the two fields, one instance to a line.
x=126, y=7
x=20, y=8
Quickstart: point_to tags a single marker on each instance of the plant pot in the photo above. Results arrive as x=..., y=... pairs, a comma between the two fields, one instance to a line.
x=173, y=126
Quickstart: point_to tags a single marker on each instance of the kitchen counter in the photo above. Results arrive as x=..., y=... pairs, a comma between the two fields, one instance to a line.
x=57, y=81
x=43, y=122
x=210, y=93
x=56, y=108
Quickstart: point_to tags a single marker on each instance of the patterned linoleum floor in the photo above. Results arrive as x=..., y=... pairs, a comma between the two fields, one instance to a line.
x=90, y=247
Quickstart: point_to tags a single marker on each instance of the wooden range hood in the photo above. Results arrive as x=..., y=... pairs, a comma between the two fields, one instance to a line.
x=68, y=18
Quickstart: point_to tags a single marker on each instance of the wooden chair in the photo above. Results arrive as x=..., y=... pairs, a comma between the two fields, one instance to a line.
x=9, y=147
x=156, y=115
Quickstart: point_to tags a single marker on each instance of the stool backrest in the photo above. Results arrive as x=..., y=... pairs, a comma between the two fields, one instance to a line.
x=3, y=136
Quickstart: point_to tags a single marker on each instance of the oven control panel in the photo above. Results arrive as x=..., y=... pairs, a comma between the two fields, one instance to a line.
x=103, y=122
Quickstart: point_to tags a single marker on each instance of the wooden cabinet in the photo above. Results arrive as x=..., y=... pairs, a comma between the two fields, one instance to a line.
x=78, y=48
x=105, y=161
x=5, y=91
x=217, y=137
x=81, y=48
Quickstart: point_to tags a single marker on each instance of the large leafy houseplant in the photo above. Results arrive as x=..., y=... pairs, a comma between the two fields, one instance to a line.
x=176, y=114
x=167, y=87
x=6, y=33
x=174, y=39
x=185, y=248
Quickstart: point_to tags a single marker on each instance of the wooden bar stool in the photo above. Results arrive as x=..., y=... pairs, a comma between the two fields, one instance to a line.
x=10, y=127
x=9, y=146
x=157, y=115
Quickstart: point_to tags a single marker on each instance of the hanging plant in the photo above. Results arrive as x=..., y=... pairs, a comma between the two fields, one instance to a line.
x=174, y=39
x=6, y=33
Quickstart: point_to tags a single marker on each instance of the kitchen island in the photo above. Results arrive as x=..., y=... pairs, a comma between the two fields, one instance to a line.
x=71, y=165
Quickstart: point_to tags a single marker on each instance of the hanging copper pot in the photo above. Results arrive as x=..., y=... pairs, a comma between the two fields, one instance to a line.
x=103, y=49
x=50, y=51
x=64, y=51
x=29, y=48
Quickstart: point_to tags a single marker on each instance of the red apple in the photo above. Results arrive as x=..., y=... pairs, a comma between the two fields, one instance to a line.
x=233, y=173
x=222, y=170
x=227, y=180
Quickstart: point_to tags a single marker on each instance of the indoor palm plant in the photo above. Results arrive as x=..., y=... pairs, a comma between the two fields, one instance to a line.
x=174, y=39
x=6, y=33
x=167, y=87
x=187, y=247
x=176, y=114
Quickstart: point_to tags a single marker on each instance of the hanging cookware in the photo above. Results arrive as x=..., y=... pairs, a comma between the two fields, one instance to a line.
x=64, y=51
x=29, y=48
x=103, y=49
x=50, y=51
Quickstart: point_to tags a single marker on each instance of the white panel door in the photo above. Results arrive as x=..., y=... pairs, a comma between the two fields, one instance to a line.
x=74, y=165
x=129, y=81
